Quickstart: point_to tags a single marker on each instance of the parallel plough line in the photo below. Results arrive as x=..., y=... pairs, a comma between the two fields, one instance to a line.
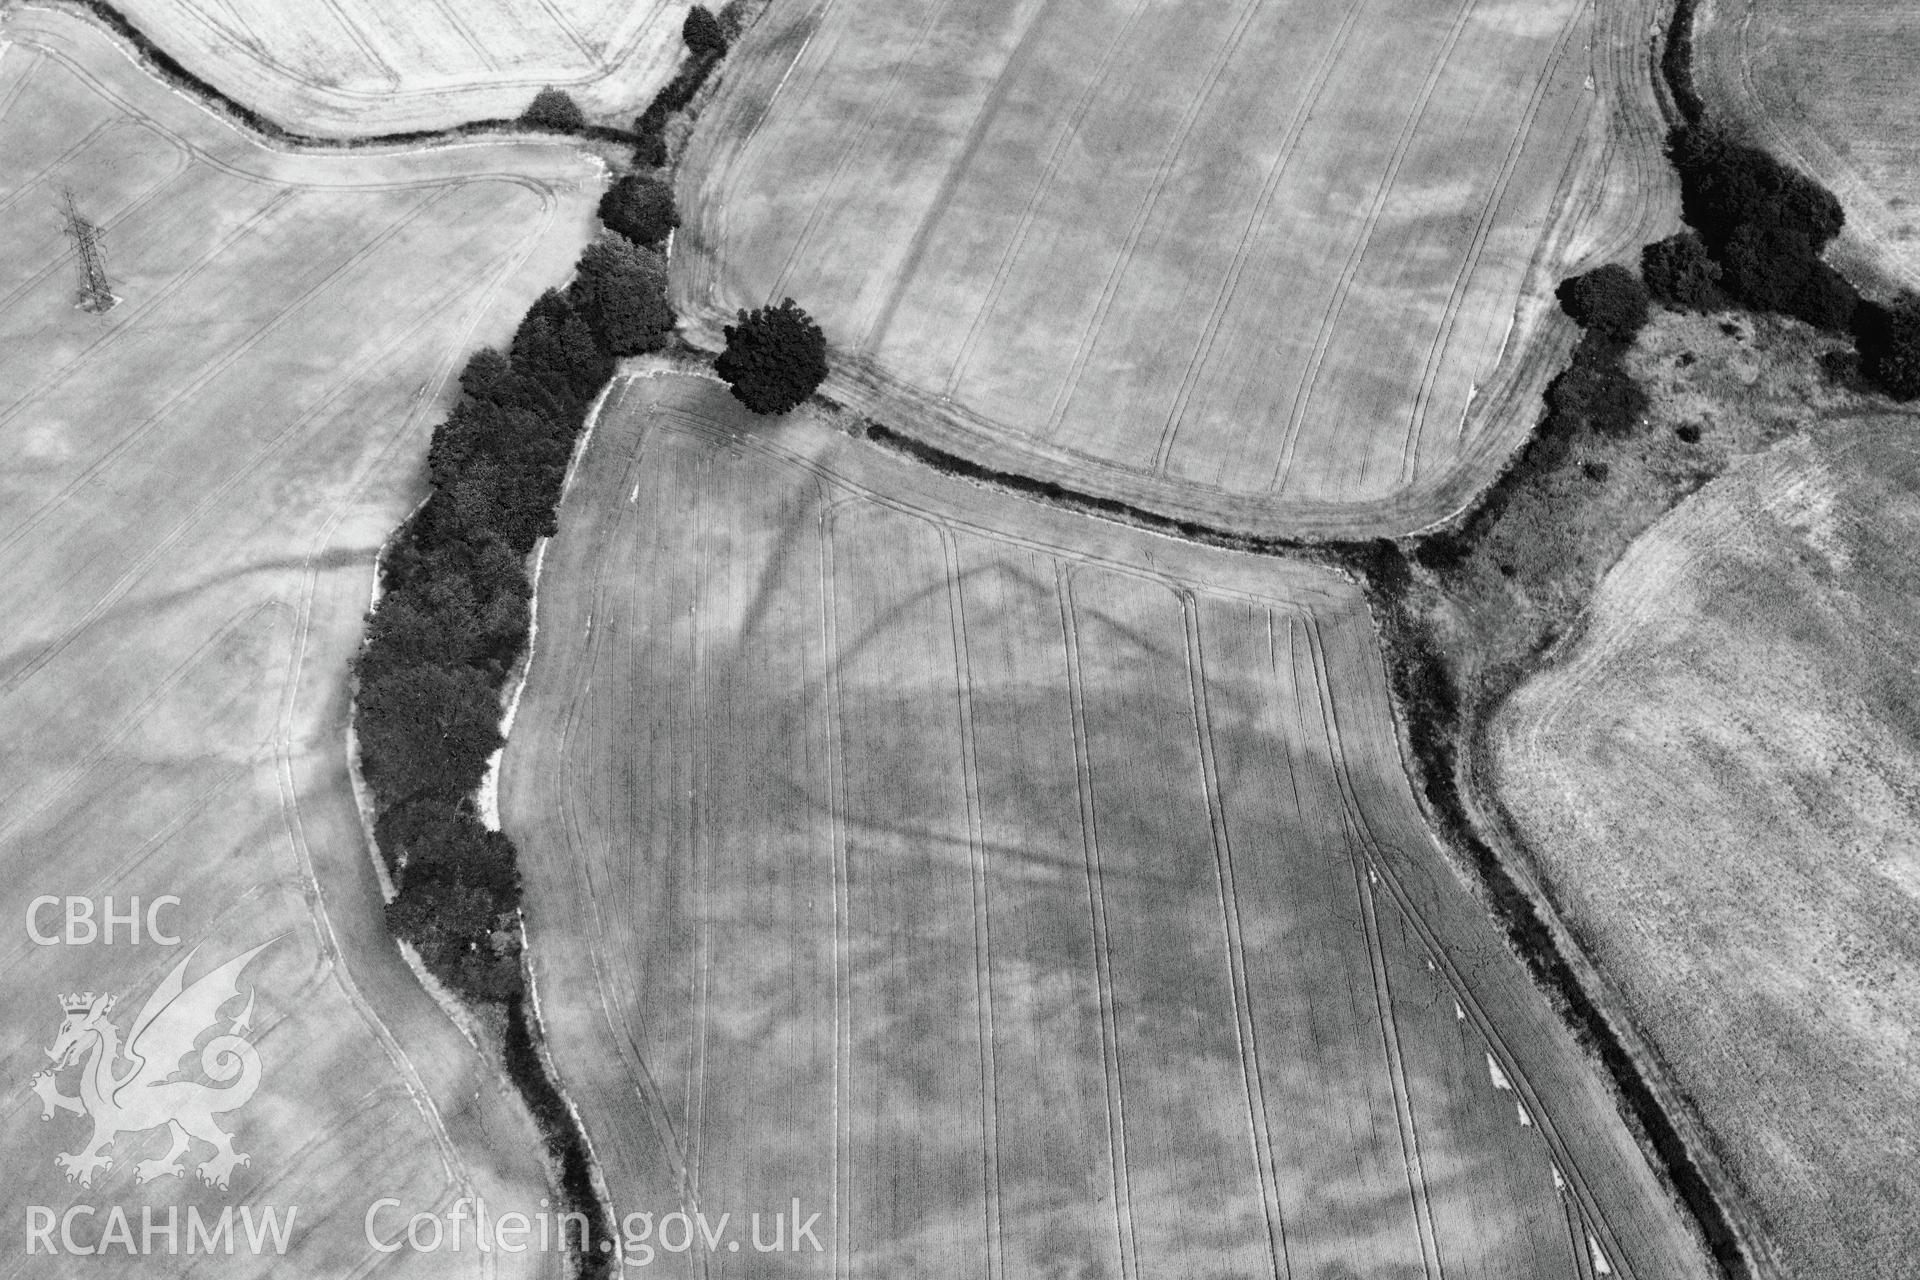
x=1089, y=335
x=1102, y=945
x=1223, y=297
x=1482, y=232
x=982, y=922
x=1336, y=303
x=1253, y=1087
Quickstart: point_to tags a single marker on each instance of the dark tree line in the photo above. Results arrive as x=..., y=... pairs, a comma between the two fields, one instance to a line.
x=453, y=613
x=454, y=610
x=707, y=38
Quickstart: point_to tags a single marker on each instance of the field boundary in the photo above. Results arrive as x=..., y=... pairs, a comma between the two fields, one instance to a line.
x=1600, y=209
x=157, y=62
x=1650, y=1103
x=625, y=39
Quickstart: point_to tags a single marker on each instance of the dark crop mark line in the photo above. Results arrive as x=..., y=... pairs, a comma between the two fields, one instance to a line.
x=855, y=140
x=1010, y=253
x=983, y=119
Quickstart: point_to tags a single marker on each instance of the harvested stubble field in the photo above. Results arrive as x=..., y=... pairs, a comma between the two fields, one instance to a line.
x=1024, y=894
x=196, y=486
x=1828, y=86
x=1281, y=268
x=1719, y=785
x=355, y=68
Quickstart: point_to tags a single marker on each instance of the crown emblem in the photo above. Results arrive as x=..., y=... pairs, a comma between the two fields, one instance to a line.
x=78, y=1002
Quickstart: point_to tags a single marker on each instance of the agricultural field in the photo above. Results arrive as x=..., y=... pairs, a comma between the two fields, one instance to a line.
x=1281, y=268
x=356, y=68
x=1718, y=783
x=1827, y=85
x=197, y=483
x=1022, y=893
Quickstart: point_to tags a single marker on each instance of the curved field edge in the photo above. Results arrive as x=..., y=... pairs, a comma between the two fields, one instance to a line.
x=283, y=100
x=1743, y=659
x=163, y=66
x=1617, y=193
x=1403, y=850
x=302, y=751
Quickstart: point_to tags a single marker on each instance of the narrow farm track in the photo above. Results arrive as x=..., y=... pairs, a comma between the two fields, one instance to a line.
x=1031, y=33
x=1483, y=228
x=1077, y=363
x=1207, y=274
x=200, y=480
x=1048, y=929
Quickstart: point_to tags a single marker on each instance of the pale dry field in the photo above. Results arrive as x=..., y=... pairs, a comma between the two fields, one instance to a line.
x=1026, y=895
x=1283, y=268
x=196, y=485
x=1721, y=785
x=1828, y=86
x=355, y=68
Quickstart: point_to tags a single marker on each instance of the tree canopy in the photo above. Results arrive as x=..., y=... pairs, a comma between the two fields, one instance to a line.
x=1680, y=273
x=554, y=109
x=641, y=209
x=1890, y=347
x=1765, y=224
x=703, y=32
x=1609, y=301
x=622, y=289
x=775, y=358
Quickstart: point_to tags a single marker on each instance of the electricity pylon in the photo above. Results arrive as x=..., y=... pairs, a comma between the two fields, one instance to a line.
x=95, y=292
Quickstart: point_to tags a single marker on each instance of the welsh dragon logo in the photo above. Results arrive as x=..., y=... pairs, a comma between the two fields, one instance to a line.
x=148, y=1092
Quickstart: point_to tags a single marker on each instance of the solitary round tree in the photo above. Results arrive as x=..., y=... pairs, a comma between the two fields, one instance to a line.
x=554, y=109
x=775, y=358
